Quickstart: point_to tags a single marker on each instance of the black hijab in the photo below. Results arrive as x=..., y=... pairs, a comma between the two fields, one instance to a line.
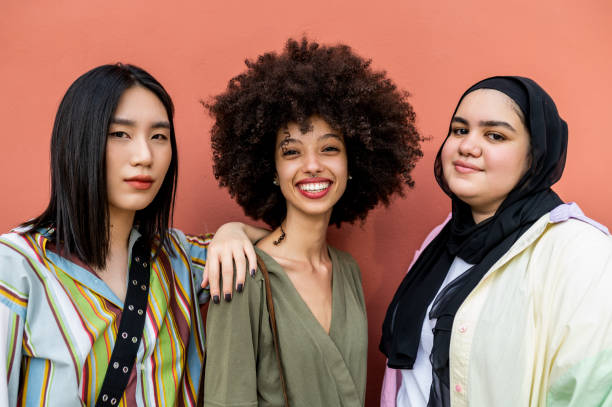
x=479, y=244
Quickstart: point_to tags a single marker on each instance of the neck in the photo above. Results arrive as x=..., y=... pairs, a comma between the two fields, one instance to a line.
x=481, y=213
x=481, y=216
x=305, y=237
x=121, y=223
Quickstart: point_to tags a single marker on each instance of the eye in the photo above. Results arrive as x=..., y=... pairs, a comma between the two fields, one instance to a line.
x=330, y=149
x=496, y=136
x=118, y=134
x=160, y=136
x=287, y=152
x=459, y=131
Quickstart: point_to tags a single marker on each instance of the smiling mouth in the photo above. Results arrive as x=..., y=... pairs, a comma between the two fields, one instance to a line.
x=314, y=187
x=465, y=168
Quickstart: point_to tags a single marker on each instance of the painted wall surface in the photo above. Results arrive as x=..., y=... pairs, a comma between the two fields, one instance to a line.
x=434, y=49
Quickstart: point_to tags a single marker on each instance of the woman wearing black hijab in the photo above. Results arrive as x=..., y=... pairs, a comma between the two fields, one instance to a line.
x=508, y=302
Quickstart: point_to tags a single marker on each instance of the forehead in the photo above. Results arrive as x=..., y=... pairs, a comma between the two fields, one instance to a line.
x=318, y=127
x=488, y=104
x=140, y=104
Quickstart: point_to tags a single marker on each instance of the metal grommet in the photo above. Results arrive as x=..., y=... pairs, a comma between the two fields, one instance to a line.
x=125, y=369
x=134, y=282
x=134, y=339
x=131, y=307
x=124, y=335
x=113, y=401
x=104, y=397
x=116, y=365
x=137, y=259
x=143, y=287
x=140, y=312
x=145, y=264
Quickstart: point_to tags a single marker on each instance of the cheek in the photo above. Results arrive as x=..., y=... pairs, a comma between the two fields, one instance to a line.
x=340, y=169
x=283, y=170
x=166, y=159
x=446, y=156
x=510, y=165
x=111, y=162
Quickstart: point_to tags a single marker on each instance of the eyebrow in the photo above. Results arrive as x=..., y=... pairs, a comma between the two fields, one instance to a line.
x=330, y=135
x=289, y=139
x=485, y=123
x=127, y=122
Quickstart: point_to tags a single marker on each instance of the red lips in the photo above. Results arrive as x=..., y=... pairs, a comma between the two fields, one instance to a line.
x=314, y=194
x=140, y=182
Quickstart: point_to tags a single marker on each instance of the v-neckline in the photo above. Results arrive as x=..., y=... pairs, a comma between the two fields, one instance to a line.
x=299, y=296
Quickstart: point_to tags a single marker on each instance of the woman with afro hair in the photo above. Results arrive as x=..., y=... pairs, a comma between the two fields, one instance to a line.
x=303, y=139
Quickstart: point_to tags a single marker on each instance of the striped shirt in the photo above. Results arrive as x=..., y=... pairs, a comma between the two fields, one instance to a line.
x=59, y=320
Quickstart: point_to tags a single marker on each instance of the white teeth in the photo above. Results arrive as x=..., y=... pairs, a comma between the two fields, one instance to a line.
x=314, y=186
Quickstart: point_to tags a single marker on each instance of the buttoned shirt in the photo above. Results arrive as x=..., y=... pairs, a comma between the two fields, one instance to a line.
x=59, y=321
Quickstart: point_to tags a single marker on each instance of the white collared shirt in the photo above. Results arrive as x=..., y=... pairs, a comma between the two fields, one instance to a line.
x=416, y=382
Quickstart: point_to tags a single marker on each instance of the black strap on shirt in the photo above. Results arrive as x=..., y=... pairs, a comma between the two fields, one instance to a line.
x=130, y=330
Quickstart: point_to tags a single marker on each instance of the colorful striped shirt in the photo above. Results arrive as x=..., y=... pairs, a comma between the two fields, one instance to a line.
x=59, y=320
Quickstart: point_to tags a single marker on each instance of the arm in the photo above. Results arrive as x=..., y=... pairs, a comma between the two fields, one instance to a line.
x=580, y=342
x=14, y=302
x=11, y=329
x=232, y=350
x=232, y=240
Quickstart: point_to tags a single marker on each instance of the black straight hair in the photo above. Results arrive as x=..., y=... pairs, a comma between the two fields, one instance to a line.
x=77, y=213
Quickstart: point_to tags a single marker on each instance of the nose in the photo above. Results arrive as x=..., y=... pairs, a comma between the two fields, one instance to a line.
x=142, y=155
x=312, y=163
x=469, y=145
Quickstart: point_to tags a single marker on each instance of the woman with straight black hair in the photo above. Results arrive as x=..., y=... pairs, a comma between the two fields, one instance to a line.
x=99, y=299
x=507, y=303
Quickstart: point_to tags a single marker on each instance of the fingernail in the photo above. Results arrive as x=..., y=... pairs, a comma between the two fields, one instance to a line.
x=252, y=272
x=216, y=299
x=239, y=288
x=228, y=297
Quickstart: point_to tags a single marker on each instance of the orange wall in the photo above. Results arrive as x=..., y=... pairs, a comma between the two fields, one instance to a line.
x=435, y=49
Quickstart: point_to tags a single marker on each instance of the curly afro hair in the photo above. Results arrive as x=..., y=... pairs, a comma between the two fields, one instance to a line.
x=308, y=79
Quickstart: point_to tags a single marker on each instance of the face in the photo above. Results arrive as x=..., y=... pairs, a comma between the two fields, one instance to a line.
x=487, y=151
x=311, y=167
x=138, y=150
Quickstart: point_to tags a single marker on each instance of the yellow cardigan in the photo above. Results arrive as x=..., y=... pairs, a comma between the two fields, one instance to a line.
x=537, y=329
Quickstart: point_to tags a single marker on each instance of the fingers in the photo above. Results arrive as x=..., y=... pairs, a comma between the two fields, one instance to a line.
x=227, y=271
x=205, y=277
x=249, y=252
x=211, y=272
x=230, y=246
x=241, y=265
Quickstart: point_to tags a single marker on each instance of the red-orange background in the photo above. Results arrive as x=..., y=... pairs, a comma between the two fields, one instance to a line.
x=434, y=49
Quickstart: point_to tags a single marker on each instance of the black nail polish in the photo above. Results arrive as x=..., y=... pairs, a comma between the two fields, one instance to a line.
x=228, y=297
x=239, y=288
x=252, y=272
x=216, y=299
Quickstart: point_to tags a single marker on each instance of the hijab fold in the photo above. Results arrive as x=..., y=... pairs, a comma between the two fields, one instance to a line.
x=479, y=244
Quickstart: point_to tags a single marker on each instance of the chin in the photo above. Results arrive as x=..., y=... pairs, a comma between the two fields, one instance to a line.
x=464, y=192
x=134, y=206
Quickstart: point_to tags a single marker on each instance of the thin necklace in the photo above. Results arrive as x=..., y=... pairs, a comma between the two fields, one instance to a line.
x=281, y=237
